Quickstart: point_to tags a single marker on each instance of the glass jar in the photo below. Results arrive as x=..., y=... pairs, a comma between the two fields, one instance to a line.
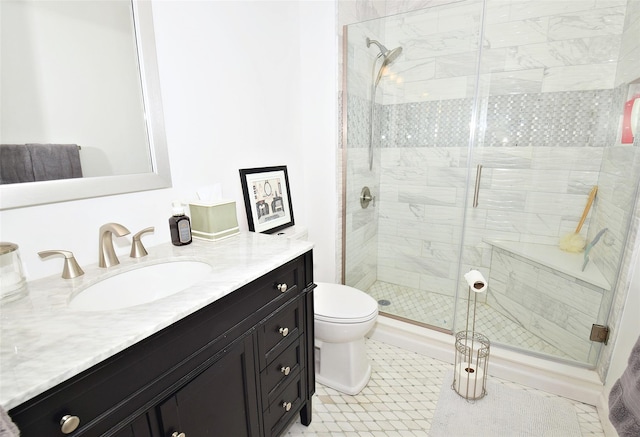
x=12, y=280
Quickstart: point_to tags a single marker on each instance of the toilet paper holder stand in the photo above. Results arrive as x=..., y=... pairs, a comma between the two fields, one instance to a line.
x=472, y=348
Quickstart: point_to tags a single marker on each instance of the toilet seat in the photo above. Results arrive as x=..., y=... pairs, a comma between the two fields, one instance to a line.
x=342, y=304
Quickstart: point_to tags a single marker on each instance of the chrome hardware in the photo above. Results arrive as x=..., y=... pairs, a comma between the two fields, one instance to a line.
x=176, y=434
x=476, y=190
x=69, y=423
x=71, y=269
x=106, y=255
x=286, y=406
x=366, y=198
x=283, y=331
x=137, y=248
x=285, y=370
x=282, y=287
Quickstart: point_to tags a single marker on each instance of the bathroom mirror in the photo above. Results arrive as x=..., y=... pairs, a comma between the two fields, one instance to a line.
x=139, y=161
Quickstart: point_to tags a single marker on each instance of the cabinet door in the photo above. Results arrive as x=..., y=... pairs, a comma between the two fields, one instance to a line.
x=220, y=401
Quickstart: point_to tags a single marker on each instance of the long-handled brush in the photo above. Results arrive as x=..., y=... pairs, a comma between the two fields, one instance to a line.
x=574, y=242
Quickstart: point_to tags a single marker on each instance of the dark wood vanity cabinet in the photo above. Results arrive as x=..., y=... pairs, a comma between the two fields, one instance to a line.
x=242, y=366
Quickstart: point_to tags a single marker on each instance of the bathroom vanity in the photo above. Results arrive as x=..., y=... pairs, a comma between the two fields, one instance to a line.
x=230, y=356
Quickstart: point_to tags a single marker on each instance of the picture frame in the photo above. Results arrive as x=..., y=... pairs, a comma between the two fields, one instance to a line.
x=267, y=198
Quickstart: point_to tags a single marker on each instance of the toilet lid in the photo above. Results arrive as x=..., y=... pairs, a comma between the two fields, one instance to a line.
x=342, y=304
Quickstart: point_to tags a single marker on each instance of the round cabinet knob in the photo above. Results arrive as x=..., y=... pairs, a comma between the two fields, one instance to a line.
x=284, y=331
x=285, y=370
x=69, y=423
x=286, y=406
x=177, y=434
x=282, y=287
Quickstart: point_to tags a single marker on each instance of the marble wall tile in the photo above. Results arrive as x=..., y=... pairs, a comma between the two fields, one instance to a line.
x=401, y=211
x=584, y=299
x=444, y=286
x=554, y=181
x=579, y=77
x=414, y=71
x=430, y=90
x=612, y=3
x=513, y=33
x=596, y=50
x=427, y=195
x=629, y=66
x=569, y=159
x=358, y=11
x=521, y=10
x=398, y=276
x=434, y=250
x=497, y=11
x=606, y=21
x=447, y=177
x=524, y=223
x=460, y=64
x=581, y=181
x=400, y=6
x=574, y=346
x=516, y=82
x=405, y=26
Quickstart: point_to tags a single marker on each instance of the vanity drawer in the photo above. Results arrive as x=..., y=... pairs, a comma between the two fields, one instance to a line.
x=280, y=412
x=275, y=288
x=284, y=368
x=279, y=330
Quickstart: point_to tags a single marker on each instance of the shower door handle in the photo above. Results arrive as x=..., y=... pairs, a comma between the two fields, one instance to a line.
x=476, y=190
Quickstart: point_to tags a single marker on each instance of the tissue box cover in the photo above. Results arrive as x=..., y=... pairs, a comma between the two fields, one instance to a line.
x=213, y=220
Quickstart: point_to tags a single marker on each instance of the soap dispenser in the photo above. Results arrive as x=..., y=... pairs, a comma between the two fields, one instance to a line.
x=180, y=226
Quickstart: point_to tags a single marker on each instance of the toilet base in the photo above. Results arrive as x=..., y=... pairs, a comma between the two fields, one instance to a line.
x=342, y=366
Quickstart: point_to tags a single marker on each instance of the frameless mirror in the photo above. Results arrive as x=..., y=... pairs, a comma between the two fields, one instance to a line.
x=84, y=73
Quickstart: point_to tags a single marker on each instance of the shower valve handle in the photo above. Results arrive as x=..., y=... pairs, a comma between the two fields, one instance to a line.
x=366, y=198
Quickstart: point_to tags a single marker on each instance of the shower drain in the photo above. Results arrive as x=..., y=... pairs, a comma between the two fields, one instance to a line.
x=384, y=302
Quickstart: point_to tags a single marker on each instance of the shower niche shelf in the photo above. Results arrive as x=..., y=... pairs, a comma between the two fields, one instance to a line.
x=566, y=263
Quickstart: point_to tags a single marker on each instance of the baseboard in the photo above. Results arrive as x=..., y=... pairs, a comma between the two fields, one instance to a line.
x=603, y=414
x=561, y=379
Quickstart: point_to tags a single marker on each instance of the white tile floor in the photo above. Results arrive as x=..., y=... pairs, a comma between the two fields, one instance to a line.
x=399, y=400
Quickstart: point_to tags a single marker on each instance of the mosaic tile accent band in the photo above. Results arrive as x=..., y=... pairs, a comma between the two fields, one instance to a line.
x=562, y=119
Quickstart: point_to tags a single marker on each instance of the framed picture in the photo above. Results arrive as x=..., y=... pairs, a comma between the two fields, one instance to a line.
x=267, y=198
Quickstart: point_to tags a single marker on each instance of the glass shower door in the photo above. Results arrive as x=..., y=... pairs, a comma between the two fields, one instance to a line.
x=406, y=249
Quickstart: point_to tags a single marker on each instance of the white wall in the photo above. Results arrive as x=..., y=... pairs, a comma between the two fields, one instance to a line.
x=244, y=84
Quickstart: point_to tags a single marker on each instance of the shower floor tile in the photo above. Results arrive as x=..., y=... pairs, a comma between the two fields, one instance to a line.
x=399, y=400
x=436, y=309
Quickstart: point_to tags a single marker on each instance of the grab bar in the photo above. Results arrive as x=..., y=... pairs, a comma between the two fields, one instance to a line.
x=476, y=190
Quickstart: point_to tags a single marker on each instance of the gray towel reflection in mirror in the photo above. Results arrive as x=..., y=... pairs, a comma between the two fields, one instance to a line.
x=39, y=162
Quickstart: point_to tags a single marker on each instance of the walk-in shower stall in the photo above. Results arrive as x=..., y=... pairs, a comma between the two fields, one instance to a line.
x=477, y=149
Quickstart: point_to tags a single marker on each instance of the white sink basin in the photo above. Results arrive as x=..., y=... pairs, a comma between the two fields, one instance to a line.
x=139, y=286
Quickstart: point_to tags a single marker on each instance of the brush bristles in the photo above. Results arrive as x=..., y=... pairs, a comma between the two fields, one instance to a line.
x=572, y=243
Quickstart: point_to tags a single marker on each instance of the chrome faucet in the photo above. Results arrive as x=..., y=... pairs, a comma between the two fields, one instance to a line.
x=106, y=255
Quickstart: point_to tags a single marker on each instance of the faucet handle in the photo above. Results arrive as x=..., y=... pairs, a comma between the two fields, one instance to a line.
x=137, y=248
x=71, y=268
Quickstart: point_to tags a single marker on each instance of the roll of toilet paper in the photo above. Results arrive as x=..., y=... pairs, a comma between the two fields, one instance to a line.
x=468, y=381
x=476, y=281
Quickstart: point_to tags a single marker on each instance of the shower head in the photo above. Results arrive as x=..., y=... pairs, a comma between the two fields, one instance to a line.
x=388, y=55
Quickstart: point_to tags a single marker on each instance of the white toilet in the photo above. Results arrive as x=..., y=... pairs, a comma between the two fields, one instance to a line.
x=343, y=315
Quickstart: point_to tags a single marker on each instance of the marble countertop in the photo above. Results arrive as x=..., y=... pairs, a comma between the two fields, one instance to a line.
x=43, y=342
